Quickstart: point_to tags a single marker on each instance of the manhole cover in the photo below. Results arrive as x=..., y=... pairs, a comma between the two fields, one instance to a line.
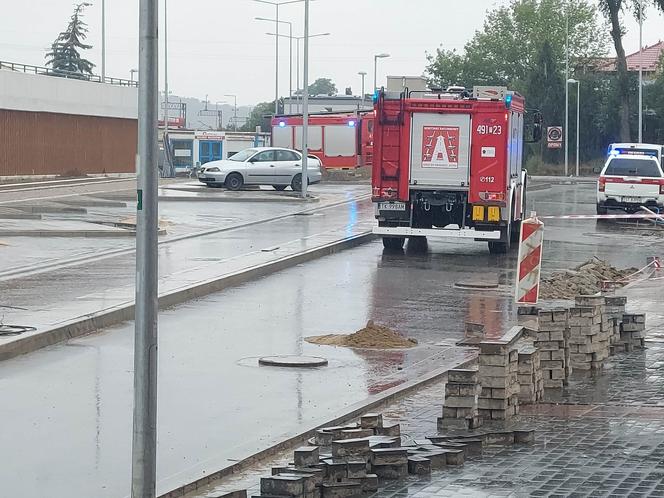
x=476, y=285
x=292, y=361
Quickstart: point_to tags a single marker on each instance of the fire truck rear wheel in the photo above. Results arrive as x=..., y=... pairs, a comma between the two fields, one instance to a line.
x=417, y=244
x=393, y=243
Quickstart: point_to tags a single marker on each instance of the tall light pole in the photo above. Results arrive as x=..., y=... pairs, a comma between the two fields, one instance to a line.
x=297, y=68
x=363, y=75
x=103, y=41
x=234, y=109
x=290, y=56
x=144, y=438
x=376, y=57
x=640, y=71
x=165, y=67
x=305, y=104
x=276, y=47
x=566, y=90
x=578, y=109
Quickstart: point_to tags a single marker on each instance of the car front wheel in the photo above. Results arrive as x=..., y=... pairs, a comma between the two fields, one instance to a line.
x=234, y=181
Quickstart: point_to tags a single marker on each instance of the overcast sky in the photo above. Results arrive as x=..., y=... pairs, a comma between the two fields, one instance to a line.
x=216, y=47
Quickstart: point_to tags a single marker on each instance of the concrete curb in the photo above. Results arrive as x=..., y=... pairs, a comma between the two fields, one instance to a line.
x=372, y=403
x=124, y=312
x=67, y=233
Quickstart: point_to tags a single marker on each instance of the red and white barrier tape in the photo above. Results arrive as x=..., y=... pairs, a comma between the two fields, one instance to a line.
x=603, y=217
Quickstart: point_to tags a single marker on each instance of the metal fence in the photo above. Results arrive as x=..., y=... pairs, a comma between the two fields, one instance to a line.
x=27, y=68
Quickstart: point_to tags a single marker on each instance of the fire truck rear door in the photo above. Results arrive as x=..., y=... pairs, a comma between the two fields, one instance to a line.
x=440, y=150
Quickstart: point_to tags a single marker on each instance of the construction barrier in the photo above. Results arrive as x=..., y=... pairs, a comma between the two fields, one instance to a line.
x=530, y=261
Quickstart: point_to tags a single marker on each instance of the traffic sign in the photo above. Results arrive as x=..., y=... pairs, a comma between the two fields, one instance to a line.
x=554, y=137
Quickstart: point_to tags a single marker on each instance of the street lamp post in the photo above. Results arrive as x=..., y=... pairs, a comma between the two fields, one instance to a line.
x=640, y=71
x=276, y=48
x=103, y=41
x=363, y=74
x=297, y=66
x=144, y=437
x=305, y=104
x=165, y=67
x=566, y=91
x=290, y=56
x=376, y=57
x=578, y=109
x=234, y=109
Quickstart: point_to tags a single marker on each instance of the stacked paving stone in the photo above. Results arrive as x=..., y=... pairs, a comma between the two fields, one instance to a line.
x=632, y=331
x=614, y=309
x=460, y=409
x=531, y=382
x=498, y=376
x=354, y=464
x=554, y=347
x=590, y=333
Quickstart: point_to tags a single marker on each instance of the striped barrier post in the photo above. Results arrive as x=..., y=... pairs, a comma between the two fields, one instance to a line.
x=530, y=261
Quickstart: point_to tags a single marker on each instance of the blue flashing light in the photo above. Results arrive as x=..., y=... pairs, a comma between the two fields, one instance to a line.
x=351, y=123
x=375, y=96
x=282, y=124
x=508, y=100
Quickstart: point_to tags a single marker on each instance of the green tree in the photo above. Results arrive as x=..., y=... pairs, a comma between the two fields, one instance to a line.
x=323, y=86
x=613, y=9
x=546, y=89
x=261, y=116
x=64, y=54
x=506, y=50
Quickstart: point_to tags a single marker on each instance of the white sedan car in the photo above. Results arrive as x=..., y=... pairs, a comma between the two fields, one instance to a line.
x=261, y=166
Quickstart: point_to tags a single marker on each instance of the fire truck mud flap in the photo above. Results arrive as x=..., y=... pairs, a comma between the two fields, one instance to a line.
x=465, y=233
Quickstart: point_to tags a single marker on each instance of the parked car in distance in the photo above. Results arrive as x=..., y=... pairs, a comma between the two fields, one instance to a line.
x=274, y=166
x=629, y=181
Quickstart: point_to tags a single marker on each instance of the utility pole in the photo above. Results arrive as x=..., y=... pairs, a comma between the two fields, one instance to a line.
x=305, y=104
x=103, y=41
x=640, y=71
x=165, y=71
x=144, y=441
x=363, y=74
x=234, y=110
x=566, y=90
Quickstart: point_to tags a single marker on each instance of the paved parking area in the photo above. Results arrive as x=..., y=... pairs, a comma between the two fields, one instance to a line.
x=602, y=436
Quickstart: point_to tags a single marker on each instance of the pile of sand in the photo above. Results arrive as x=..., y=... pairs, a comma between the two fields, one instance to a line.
x=585, y=279
x=370, y=337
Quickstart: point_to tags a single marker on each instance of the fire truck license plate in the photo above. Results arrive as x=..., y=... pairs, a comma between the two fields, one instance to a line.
x=392, y=206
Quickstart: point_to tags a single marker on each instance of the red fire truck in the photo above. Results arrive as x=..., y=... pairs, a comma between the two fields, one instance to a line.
x=339, y=140
x=449, y=165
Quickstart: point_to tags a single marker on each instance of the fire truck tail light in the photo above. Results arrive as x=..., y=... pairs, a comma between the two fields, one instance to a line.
x=601, y=184
x=492, y=196
x=494, y=213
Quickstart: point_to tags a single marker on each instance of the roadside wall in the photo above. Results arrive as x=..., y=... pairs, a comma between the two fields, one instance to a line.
x=58, y=126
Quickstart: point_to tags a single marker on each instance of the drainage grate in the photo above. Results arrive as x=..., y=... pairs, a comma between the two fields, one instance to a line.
x=9, y=330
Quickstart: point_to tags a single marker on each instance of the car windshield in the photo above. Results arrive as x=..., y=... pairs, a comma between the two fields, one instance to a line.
x=243, y=155
x=627, y=166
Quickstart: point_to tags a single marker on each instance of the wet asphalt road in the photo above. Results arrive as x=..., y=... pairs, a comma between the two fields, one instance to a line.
x=69, y=406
